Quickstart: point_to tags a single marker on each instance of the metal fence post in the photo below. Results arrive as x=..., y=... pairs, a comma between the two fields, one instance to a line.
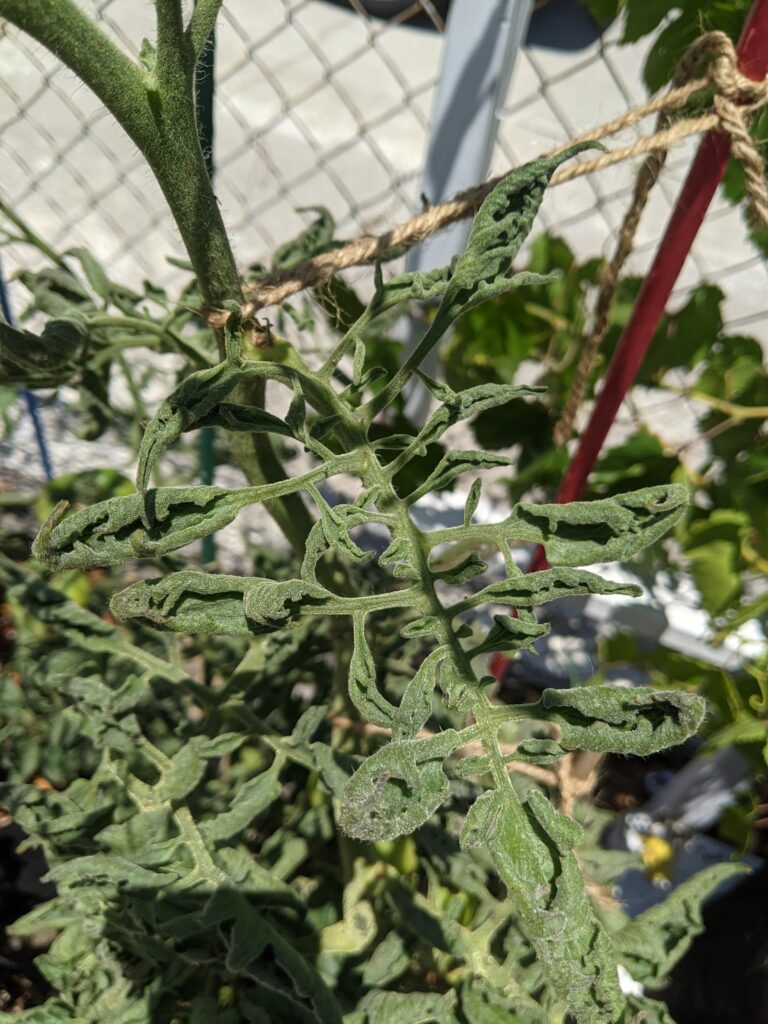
x=481, y=44
x=482, y=41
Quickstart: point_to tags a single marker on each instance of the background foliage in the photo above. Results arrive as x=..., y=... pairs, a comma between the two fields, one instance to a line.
x=287, y=795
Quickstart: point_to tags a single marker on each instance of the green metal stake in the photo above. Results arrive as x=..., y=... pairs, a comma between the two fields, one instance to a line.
x=204, y=86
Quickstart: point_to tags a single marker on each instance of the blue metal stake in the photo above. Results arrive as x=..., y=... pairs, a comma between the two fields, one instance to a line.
x=29, y=397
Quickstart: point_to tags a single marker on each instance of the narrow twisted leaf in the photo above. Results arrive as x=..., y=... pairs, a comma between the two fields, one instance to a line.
x=331, y=533
x=416, y=703
x=498, y=231
x=455, y=407
x=363, y=691
x=583, y=532
x=416, y=286
x=451, y=466
x=195, y=602
x=532, y=849
x=200, y=401
x=508, y=634
x=609, y=718
x=549, y=585
x=135, y=526
x=316, y=238
x=482, y=820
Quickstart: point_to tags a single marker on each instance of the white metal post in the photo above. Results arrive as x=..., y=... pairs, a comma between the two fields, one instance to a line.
x=482, y=40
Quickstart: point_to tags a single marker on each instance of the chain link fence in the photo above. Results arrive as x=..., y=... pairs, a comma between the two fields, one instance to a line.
x=319, y=103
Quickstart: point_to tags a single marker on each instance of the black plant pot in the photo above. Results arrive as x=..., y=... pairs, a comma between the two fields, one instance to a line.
x=386, y=9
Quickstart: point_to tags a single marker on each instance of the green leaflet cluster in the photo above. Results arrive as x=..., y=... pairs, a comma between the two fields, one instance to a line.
x=399, y=787
x=185, y=894
x=94, y=323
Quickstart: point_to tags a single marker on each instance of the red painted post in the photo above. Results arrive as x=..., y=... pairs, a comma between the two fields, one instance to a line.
x=700, y=186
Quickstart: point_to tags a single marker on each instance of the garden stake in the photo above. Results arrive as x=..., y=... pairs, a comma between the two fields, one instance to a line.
x=30, y=397
x=703, y=178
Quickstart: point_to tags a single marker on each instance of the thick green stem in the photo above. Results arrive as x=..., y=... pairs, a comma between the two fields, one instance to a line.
x=155, y=106
x=157, y=112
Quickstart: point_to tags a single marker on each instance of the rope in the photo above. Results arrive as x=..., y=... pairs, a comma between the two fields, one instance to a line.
x=720, y=47
x=576, y=777
x=736, y=98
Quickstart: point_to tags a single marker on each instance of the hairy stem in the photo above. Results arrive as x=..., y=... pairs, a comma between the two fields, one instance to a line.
x=156, y=108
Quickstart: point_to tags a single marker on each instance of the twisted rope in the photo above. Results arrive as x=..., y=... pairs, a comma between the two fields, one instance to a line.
x=728, y=92
x=736, y=98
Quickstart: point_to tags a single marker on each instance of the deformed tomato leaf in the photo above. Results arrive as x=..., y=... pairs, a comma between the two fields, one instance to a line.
x=583, y=532
x=397, y=789
x=611, y=718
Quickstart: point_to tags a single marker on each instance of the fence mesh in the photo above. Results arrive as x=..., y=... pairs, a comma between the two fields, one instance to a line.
x=319, y=103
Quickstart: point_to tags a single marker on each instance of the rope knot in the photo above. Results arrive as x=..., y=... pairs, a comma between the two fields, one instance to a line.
x=727, y=81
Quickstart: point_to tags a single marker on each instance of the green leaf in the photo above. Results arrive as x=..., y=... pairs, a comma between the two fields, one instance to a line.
x=643, y=16
x=409, y=1008
x=93, y=270
x=397, y=789
x=584, y=532
x=498, y=231
x=100, y=868
x=451, y=466
x=713, y=546
x=41, y=361
x=200, y=400
x=667, y=51
x=482, y=820
x=195, y=602
x=289, y=988
x=462, y=405
x=531, y=848
x=363, y=692
x=652, y=944
x=637, y=721
x=509, y=634
x=641, y=461
x=483, y=1004
x=473, y=500
x=387, y=962
x=416, y=703
x=315, y=239
x=148, y=61
x=548, y=585
x=134, y=526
